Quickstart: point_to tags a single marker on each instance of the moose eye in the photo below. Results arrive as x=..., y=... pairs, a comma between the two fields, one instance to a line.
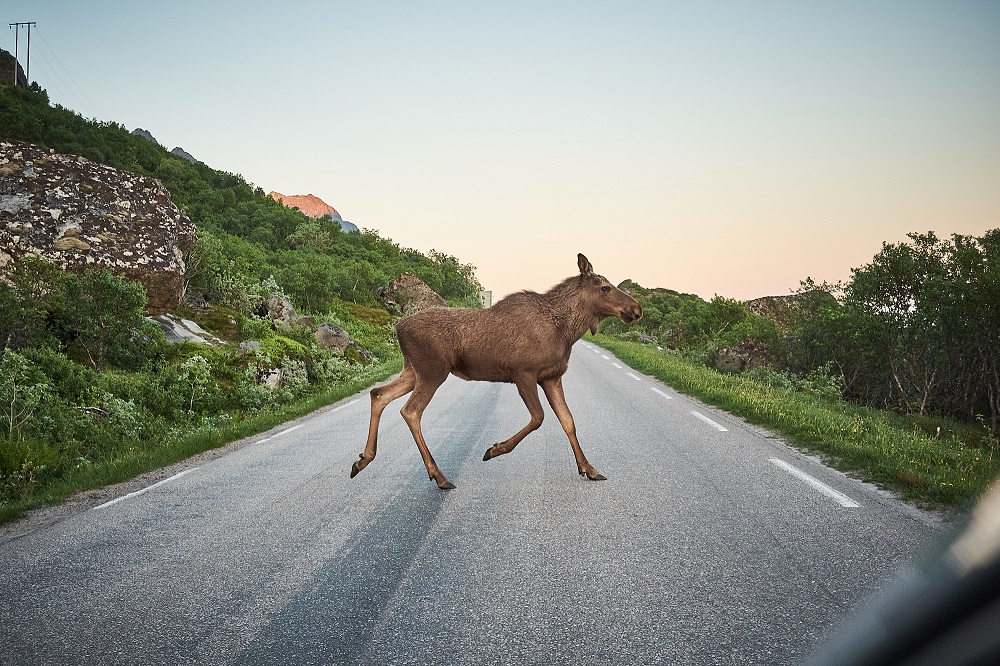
x=605, y=289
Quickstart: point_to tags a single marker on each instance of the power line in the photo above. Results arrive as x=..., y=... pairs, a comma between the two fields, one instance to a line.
x=17, y=44
x=90, y=104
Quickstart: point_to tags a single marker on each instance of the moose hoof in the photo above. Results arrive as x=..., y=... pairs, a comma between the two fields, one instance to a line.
x=594, y=476
x=447, y=485
x=358, y=466
x=489, y=454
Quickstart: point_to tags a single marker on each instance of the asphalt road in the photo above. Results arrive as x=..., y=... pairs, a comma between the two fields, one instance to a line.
x=706, y=545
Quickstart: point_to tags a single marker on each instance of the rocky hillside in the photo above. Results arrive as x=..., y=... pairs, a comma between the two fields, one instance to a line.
x=312, y=206
x=7, y=69
x=79, y=214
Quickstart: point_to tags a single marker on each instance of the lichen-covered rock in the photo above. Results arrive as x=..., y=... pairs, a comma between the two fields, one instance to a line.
x=333, y=338
x=408, y=294
x=79, y=214
x=282, y=314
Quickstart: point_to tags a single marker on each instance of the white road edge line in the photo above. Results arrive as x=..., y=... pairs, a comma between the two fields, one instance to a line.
x=605, y=357
x=616, y=365
x=286, y=430
x=710, y=422
x=629, y=374
x=656, y=390
x=144, y=490
x=596, y=351
x=836, y=495
x=346, y=404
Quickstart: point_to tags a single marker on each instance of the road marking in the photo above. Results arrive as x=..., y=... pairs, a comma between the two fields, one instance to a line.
x=629, y=374
x=286, y=430
x=836, y=495
x=144, y=490
x=596, y=351
x=710, y=422
x=605, y=357
x=616, y=365
x=656, y=390
x=346, y=404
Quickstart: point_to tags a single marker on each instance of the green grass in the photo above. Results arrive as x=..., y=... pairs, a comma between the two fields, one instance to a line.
x=888, y=450
x=213, y=434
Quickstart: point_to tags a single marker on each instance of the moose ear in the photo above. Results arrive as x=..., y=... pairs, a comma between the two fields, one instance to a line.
x=585, y=266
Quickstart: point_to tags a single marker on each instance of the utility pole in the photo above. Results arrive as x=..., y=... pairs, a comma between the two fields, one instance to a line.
x=17, y=42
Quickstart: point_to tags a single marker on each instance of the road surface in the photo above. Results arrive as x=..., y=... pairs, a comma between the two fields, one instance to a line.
x=711, y=542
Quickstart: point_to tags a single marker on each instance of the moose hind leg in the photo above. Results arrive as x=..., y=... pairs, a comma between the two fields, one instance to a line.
x=381, y=397
x=554, y=393
x=412, y=412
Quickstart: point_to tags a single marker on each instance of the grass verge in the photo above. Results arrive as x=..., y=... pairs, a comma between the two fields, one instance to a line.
x=888, y=450
x=211, y=435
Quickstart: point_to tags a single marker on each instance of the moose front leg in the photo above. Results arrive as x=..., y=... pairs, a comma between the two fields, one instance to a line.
x=554, y=393
x=528, y=390
x=381, y=397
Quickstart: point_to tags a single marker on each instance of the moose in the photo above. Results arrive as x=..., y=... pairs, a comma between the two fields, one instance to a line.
x=525, y=339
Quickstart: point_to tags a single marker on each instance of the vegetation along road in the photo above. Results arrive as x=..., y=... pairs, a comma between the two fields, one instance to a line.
x=711, y=542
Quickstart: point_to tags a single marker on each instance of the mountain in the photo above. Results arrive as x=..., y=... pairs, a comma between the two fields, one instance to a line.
x=145, y=134
x=180, y=152
x=312, y=206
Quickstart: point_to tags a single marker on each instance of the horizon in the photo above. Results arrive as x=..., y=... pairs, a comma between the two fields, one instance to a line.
x=732, y=151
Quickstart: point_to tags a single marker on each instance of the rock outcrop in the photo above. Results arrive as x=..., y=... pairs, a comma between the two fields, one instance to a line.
x=145, y=134
x=183, y=154
x=747, y=355
x=178, y=151
x=312, y=206
x=282, y=313
x=9, y=71
x=177, y=329
x=79, y=214
x=333, y=338
x=408, y=294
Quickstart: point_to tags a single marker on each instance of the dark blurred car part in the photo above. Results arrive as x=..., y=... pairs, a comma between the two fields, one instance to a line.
x=944, y=611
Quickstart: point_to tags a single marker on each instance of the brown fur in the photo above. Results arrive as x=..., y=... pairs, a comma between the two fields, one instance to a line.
x=525, y=339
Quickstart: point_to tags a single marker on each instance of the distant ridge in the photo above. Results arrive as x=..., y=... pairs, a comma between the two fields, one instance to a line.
x=312, y=206
x=145, y=134
x=178, y=151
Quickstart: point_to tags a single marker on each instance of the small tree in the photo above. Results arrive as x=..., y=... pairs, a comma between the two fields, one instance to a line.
x=103, y=319
x=196, y=373
x=23, y=391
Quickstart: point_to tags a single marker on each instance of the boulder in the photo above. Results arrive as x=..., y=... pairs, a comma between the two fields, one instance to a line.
x=408, y=294
x=332, y=337
x=282, y=313
x=747, y=355
x=177, y=329
x=79, y=214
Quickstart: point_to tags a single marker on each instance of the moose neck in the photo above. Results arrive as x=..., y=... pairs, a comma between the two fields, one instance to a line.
x=571, y=310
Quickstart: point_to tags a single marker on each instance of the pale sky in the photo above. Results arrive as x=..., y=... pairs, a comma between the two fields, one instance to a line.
x=730, y=148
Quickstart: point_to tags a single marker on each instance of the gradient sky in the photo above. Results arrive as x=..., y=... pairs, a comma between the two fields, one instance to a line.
x=730, y=148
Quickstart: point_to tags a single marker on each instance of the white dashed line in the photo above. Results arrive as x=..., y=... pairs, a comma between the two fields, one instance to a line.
x=346, y=404
x=710, y=422
x=629, y=374
x=144, y=490
x=656, y=390
x=836, y=495
x=287, y=430
x=605, y=357
x=616, y=365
